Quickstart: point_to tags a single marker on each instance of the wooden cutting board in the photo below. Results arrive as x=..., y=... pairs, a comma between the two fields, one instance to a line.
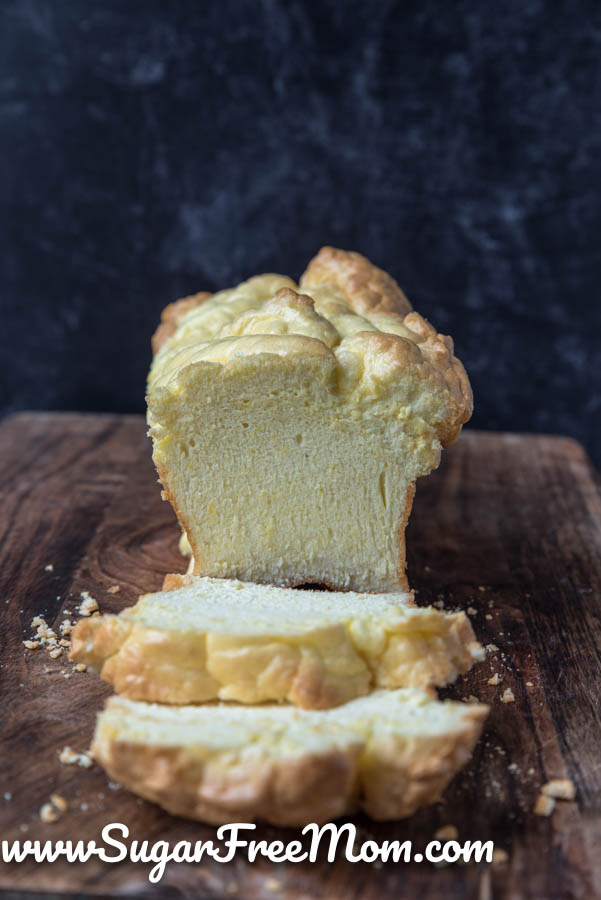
x=510, y=525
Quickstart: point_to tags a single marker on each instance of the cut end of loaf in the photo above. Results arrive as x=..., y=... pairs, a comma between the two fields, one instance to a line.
x=290, y=424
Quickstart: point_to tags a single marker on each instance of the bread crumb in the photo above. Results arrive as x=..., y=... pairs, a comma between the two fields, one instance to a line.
x=488, y=617
x=64, y=642
x=481, y=587
x=60, y=802
x=492, y=648
x=544, y=805
x=508, y=696
x=495, y=680
x=499, y=856
x=471, y=699
x=559, y=789
x=446, y=833
x=66, y=626
x=81, y=667
x=49, y=813
x=55, y=653
x=31, y=645
x=114, y=589
x=513, y=768
x=69, y=757
x=49, y=568
x=529, y=684
x=471, y=611
x=88, y=604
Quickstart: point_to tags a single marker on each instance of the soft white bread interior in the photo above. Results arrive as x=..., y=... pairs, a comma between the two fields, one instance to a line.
x=388, y=753
x=219, y=639
x=290, y=423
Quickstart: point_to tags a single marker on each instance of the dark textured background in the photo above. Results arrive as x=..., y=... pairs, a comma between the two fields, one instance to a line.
x=153, y=148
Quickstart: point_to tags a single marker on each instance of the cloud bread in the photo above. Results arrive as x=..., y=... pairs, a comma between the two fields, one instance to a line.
x=290, y=423
x=217, y=639
x=388, y=754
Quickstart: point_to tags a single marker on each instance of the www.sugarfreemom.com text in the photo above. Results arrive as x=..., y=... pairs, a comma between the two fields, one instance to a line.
x=231, y=842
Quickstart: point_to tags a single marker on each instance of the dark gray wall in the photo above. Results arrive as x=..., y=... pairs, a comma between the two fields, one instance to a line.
x=155, y=148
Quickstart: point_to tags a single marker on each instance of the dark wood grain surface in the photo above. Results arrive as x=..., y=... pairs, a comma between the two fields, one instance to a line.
x=510, y=525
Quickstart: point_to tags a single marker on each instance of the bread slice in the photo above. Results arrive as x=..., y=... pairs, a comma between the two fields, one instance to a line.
x=216, y=639
x=387, y=754
x=290, y=423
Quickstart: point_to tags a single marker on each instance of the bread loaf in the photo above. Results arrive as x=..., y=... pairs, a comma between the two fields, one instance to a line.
x=218, y=639
x=290, y=423
x=387, y=754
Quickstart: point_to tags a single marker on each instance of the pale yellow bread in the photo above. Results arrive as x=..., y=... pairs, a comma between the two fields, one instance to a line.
x=218, y=639
x=387, y=754
x=290, y=423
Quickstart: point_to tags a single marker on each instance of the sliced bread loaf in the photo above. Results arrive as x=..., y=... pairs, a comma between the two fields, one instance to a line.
x=218, y=639
x=290, y=423
x=388, y=754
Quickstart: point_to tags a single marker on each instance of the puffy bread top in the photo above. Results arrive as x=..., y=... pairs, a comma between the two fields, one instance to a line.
x=344, y=309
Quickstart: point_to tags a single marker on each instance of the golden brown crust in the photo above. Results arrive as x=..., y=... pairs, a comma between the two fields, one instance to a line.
x=389, y=777
x=368, y=289
x=315, y=787
x=171, y=316
x=402, y=776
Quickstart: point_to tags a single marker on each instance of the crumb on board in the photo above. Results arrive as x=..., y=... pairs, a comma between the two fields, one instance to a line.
x=55, y=652
x=114, y=589
x=66, y=627
x=80, y=667
x=559, y=789
x=488, y=617
x=446, y=833
x=64, y=642
x=88, y=605
x=499, y=856
x=59, y=802
x=544, y=805
x=54, y=809
x=481, y=588
x=471, y=611
x=492, y=648
x=49, y=568
x=49, y=814
x=31, y=645
x=494, y=680
x=471, y=699
x=529, y=684
x=70, y=757
x=508, y=696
